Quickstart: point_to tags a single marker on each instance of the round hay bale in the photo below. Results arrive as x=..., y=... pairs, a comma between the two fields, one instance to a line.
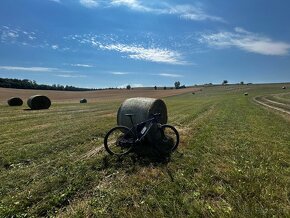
x=39, y=102
x=15, y=101
x=83, y=101
x=246, y=94
x=284, y=87
x=142, y=108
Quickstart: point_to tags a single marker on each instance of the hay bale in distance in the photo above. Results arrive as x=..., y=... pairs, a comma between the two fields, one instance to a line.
x=39, y=102
x=15, y=101
x=284, y=87
x=83, y=100
x=246, y=94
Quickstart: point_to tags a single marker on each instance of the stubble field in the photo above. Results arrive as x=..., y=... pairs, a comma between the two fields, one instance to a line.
x=233, y=160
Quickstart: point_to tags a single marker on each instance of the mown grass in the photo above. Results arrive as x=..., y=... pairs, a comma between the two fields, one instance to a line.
x=233, y=160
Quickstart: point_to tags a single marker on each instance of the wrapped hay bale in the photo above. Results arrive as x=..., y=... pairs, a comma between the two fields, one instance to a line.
x=15, y=101
x=246, y=94
x=38, y=102
x=143, y=108
x=284, y=87
x=83, y=101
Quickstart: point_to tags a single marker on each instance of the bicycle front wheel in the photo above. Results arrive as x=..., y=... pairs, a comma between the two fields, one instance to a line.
x=119, y=141
x=170, y=138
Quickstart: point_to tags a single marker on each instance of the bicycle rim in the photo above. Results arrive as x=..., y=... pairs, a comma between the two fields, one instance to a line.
x=170, y=138
x=119, y=141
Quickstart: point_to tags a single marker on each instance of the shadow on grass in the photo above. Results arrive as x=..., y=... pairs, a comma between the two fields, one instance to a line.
x=132, y=161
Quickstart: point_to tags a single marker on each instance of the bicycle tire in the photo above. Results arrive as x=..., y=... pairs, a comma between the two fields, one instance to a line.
x=125, y=141
x=175, y=135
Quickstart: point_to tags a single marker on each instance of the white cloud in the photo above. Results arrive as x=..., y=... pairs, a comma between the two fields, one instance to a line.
x=169, y=75
x=57, y=1
x=82, y=65
x=54, y=47
x=71, y=76
x=246, y=41
x=148, y=54
x=119, y=73
x=187, y=12
x=33, y=69
x=190, y=12
x=15, y=35
x=132, y=4
x=89, y=3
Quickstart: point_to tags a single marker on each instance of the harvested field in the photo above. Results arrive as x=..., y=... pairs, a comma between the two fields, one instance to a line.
x=233, y=159
x=91, y=96
x=278, y=102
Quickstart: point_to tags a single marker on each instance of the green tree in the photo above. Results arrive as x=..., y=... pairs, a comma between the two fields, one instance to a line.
x=177, y=84
x=225, y=82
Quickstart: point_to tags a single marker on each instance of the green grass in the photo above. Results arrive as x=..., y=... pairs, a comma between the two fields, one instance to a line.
x=233, y=161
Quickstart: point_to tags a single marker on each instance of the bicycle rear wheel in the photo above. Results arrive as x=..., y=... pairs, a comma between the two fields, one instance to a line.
x=119, y=141
x=169, y=138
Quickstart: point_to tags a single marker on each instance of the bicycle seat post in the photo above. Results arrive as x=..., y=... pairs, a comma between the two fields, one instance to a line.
x=131, y=120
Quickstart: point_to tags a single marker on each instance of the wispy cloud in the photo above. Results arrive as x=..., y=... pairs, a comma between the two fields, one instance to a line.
x=148, y=54
x=187, y=12
x=82, y=65
x=54, y=47
x=57, y=1
x=119, y=73
x=132, y=4
x=247, y=41
x=71, y=76
x=34, y=69
x=89, y=3
x=16, y=35
x=169, y=75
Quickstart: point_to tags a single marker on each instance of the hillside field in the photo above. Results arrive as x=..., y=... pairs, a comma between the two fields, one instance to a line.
x=233, y=159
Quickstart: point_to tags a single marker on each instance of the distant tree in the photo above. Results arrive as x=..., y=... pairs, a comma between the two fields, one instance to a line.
x=128, y=87
x=225, y=82
x=177, y=84
x=155, y=87
x=164, y=88
x=31, y=84
x=242, y=83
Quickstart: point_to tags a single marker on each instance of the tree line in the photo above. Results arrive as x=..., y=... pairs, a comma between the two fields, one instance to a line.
x=31, y=84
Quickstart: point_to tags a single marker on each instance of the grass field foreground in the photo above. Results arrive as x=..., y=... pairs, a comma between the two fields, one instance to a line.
x=233, y=160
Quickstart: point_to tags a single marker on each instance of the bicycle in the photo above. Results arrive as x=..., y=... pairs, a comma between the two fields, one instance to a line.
x=120, y=140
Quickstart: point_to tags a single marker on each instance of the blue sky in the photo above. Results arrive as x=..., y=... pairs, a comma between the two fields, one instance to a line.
x=112, y=43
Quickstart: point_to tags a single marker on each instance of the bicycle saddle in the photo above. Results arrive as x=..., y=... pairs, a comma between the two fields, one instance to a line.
x=129, y=115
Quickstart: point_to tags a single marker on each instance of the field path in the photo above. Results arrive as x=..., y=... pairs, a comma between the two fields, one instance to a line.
x=272, y=107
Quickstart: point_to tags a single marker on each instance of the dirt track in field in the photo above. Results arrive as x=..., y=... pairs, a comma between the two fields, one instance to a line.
x=272, y=107
x=91, y=96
